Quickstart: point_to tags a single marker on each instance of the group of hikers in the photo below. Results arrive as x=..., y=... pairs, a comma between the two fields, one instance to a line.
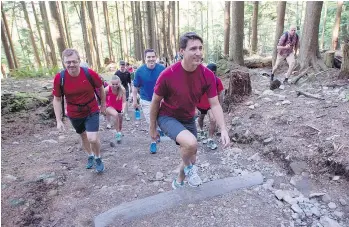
x=171, y=99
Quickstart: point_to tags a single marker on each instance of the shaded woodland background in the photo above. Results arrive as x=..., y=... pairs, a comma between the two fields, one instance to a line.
x=34, y=34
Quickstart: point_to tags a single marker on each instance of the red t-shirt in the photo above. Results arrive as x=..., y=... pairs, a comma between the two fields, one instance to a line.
x=182, y=90
x=78, y=90
x=204, y=104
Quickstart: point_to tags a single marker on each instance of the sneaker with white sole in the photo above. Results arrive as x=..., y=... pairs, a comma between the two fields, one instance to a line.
x=211, y=144
x=176, y=185
x=127, y=117
x=191, y=172
x=108, y=126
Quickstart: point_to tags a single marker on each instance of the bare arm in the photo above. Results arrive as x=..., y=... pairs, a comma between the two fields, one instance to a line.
x=123, y=102
x=218, y=115
x=57, y=107
x=134, y=95
x=103, y=95
x=154, y=111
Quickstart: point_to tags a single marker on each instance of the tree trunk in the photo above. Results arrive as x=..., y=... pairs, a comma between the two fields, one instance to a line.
x=122, y=46
x=309, y=45
x=239, y=88
x=137, y=47
x=66, y=25
x=37, y=23
x=31, y=35
x=173, y=33
x=125, y=33
x=254, y=28
x=323, y=27
x=163, y=29
x=178, y=31
x=226, y=28
x=281, y=8
x=337, y=23
x=139, y=28
x=50, y=49
x=12, y=50
x=99, y=30
x=85, y=33
x=106, y=18
x=61, y=36
x=6, y=47
x=237, y=33
x=344, y=73
x=94, y=33
x=169, y=44
x=157, y=29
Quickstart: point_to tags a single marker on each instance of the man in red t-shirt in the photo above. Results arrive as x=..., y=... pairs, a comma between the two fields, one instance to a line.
x=82, y=106
x=205, y=108
x=178, y=90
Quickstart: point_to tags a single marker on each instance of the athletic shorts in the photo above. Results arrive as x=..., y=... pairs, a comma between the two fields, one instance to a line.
x=172, y=127
x=203, y=111
x=89, y=123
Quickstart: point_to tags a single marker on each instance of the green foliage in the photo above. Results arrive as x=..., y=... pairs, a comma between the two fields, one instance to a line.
x=28, y=72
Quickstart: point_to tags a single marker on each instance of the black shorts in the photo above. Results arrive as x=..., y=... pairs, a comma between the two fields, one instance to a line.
x=89, y=123
x=203, y=111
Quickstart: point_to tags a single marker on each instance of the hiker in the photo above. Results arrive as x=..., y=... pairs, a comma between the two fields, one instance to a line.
x=82, y=108
x=288, y=42
x=145, y=79
x=204, y=107
x=116, y=104
x=179, y=89
x=125, y=77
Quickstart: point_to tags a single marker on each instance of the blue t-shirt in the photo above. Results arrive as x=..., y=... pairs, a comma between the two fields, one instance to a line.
x=145, y=80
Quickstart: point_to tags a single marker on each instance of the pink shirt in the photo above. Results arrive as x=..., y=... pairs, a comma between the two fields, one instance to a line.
x=204, y=104
x=182, y=90
x=113, y=101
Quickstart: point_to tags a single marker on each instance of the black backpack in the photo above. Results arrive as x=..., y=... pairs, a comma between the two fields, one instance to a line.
x=286, y=38
x=89, y=78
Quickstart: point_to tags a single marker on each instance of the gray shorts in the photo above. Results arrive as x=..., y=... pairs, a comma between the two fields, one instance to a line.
x=172, y=127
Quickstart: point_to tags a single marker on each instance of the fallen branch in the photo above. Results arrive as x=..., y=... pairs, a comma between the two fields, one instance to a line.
x=300, y=76
x=306, y=94
x=334, y=85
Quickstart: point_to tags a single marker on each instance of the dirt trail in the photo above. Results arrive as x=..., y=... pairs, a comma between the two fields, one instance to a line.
x=299, y=144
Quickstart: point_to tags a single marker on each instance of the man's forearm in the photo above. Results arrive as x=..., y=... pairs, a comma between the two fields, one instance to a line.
x=134, y=93
x=102, y=96
x=219, y=116
x=57, y=108
x=154, y=111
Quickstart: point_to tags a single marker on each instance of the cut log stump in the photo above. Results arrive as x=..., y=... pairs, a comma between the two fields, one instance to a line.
x=239, y=88
x=329, y=59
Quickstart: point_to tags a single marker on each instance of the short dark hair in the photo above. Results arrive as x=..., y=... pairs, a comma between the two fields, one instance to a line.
x=212, y=67
x=183, y=40
x=149, y=51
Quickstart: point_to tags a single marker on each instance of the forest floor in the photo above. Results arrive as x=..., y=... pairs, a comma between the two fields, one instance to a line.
x=299, y=144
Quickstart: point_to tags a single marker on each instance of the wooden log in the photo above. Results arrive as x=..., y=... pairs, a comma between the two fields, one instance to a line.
x=258, y=62
x=329, y=58
x=306, y=94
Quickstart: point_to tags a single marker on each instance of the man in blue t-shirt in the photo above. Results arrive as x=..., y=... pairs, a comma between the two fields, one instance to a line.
x=145, y=79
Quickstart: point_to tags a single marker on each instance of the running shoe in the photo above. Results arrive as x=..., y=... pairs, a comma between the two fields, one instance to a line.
x=90, y=161
x=176, y=185
x=99, y=165
x=192, y=176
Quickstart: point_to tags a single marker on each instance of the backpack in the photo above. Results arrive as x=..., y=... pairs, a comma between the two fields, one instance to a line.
x=89, y=78
x=286, y=38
